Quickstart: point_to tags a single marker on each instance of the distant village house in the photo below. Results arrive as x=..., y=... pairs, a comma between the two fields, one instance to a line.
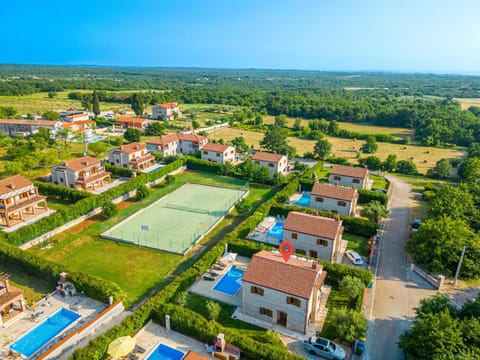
x=334, y=198
x=218, y=153
x=165, y=111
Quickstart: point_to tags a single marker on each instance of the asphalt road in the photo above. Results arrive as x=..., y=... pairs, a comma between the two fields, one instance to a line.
x=397, y=290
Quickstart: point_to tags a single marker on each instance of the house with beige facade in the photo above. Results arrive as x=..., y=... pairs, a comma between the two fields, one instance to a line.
x=334, y=198
x=136, y=123
x=134, y=156
x=316, y=236
x=20, y=201
x=190, y=143
x=282, y=293
x=85, y=173
x=165, y=111
x=275, y=163
x=349, y=176
x=218, y=153
x=173, y=144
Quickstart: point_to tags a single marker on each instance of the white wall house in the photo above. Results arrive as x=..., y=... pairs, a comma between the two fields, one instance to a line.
x=134, y=156
x=335, y=198
x=189, y=143
x=85, y=173
x=173, y=144
x=349, y=176
x=275, y=163
x=281, y=293
x=316, y=236
x=165, y=111
x=218, y=153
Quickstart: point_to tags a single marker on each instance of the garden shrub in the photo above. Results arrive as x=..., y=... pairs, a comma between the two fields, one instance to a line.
x=60, y=192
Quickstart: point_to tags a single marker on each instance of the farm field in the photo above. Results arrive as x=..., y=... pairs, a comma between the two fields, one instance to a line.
x=424, y=157
x=467, y=102
x=40, y=102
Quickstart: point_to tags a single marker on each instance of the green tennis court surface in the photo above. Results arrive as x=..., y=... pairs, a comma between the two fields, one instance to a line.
x=177, y=221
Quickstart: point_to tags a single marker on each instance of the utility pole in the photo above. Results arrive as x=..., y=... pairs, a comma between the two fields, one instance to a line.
x=459, y=266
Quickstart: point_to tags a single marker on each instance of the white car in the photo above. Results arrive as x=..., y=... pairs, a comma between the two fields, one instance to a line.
x=354, y=257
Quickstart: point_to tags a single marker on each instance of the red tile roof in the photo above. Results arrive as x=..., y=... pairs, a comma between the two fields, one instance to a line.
x=298, y=277
x=81, y=163
x=130, y=120
x=13, y=183
x=164, y=139
x=320, y=226
x=133, y=147
x=215, y=147
x=169, y=105
x=351, y=171
x=195, y=356
x=334, y=192
x=265, y=156
x=28, y=122
x=191, y=137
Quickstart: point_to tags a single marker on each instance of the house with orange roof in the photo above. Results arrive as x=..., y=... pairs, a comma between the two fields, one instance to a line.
x=134, y=156
x=316, y=236
x=165, y=111
x=136, y=123
x=334, y=198
x=85, y=173
x=283, y=293
x=78, y=126
x=190, y=143
x=12, y=302
x=218, y=153
x=19, y=201
x=23, y=127
x=349, y=176
x=167, y=145
x=275, y=163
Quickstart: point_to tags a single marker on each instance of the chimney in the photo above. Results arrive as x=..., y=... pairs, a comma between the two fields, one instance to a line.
x=337, y=217
x=85, y=162
x=314, y=265
x=336, y=183
x=11, y=186
x=6, y=282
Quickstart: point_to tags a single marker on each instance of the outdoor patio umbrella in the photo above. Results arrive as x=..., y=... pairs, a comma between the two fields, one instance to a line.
x=121, y=346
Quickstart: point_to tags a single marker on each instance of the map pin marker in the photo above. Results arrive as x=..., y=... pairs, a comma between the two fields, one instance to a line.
x=286, y=249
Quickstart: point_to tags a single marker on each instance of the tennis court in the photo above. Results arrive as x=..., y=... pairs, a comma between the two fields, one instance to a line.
x=178, y=220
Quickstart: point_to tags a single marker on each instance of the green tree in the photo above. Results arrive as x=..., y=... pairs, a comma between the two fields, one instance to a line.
x=8, y=112
x=281, y=120
x=370, y=146
x=258, y=120
x=132, y=135
x=51, y=115
x=97, y=148
x=322, y=148
x=333, y=128
x=240, y=144
x=352, y=287
x=195, y=124
x=470, y=169
x=441, y=169
x=182, y=298
x=142, y=192
x=262, y=175
x=453, y=201
x=108, y=210
x=372, y=162
x=155, y=128
x=95, y=103
x=407, y=167
x=297, y=125
x=374, y=211
x=348, y=324
x=434, y=305
x=390, y=163
x=244, y=207
x=275, y=139
x=138, y=103
x=213, y=310
x=52, y=94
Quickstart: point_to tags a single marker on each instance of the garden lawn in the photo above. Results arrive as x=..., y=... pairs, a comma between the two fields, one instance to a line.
x=34, y=288
x=379, y=182
x=335, y=301
x=356, y=242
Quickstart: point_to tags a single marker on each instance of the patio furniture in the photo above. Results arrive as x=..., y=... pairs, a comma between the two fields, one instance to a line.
x=139, y=349
x=208, y=278
x=216, y=267
x=219, y=263
x=121, y=346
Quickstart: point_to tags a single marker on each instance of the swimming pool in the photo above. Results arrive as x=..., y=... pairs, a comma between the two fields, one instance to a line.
x=304, y=200
x=36, y=338
x=95, y=139
x=230, y=282
x=164, y=352
x=276, y=231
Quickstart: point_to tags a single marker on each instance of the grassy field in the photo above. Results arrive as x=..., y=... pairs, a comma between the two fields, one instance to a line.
x=467, y=102
x=138, y=271
x=424, y=157
x=40, y=102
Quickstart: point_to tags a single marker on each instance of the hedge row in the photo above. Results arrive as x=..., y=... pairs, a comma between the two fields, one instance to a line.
x=365, y=196
x=41, y=268
x=85, y=205
x=60, y=192
x=117, y=170
x=352, y=225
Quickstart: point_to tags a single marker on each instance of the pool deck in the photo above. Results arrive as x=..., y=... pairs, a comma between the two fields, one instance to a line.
x=153, y=334
x=260, y=233
x=22, y=323
x=110, y=185
x=205, y=288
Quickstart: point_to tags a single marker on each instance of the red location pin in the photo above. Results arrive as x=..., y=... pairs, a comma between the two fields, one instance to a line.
x=286, y=249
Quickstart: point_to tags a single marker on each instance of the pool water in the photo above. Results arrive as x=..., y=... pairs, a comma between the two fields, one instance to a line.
x=230, y=282
x=164, y=352
x=36, y=338
x=276, y=231
x=304, y=200
x=95, y=139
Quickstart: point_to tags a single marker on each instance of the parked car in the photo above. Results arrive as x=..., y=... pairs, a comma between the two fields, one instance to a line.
x=354, y=257
x=415, y=225
x=324, y=348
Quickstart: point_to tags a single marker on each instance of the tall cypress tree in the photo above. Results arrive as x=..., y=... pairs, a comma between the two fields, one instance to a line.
x=138, y=103
x=95, y=103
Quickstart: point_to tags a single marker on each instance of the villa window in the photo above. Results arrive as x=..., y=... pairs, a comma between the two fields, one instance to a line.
x=322, y=242
x=342, y=203
x=256, y=290
x=313, y=254
x=337, y=178
x=61, y=180
x=271, y=165
x=294, y=236
x=301, y=252
x=319, y=199
x=117, y=161
x=356, y=181
x=257, y=162
x=205, y=153
x=264, y=311
x=218, y=155
x=294, y=301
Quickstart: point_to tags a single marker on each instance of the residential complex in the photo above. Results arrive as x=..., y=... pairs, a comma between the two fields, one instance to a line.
x=334, y=198
x=165, y=111
x=282, y=293
x=316, y=236
x=19, y=201
x=173, y=144
x=134, y=156
x=85, y=173
x=350, y=176
x=275, y=163
x=218, y=153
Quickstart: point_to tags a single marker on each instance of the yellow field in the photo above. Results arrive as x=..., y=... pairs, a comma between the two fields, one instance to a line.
x=40, y=102
x=424, y=157
x=466, y=103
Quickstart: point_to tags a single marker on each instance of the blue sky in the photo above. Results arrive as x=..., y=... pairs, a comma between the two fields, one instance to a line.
x=390, y=35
